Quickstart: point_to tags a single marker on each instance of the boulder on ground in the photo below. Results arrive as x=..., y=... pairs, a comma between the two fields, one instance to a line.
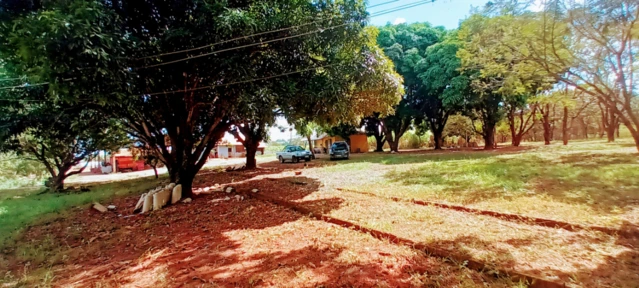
x=99, y=207
x=148, y=203
x=229, y=189
x=187, y=200
x=255, y=190
x=161, y=198
x=176, y=195
x=138, y=206
x=111, y=207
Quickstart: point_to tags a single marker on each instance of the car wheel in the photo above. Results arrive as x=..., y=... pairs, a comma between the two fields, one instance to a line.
x=281, y=159
x=295, y=160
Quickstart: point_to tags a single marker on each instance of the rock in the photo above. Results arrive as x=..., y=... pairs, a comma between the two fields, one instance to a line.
x=187, y=200
x=298, y=172
x=255, y=190
x=239, y=198
x=161, y=198
x=206, y=189
x=171, y=186
x=111, y=207
x=229, y=189
x=227, y=198
x=217, y=200
x=148, y=202
x=99, y=207
x=138, y=206
x=176, y=195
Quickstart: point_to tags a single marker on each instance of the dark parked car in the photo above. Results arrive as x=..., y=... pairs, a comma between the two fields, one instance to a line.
x=339, y=150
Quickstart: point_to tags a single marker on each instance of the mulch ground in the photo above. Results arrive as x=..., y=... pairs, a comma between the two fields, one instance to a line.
x=232, y=243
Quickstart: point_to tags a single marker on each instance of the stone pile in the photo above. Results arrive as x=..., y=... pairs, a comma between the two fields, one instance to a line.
x=159, y=197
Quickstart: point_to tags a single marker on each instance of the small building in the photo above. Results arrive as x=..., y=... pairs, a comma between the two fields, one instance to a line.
x=358, y=142
x=229, y=147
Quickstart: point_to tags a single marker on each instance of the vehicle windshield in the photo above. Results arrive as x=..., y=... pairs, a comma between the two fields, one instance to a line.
x=294, y=148
x=339, y=146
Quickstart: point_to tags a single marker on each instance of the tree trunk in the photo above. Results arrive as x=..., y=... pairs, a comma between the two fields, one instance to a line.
x=310, y=146
x=251, y=150
x=437, y=137
x=185, y=178
x=56, y=183
x=394, y=145
x=155, y=170
x=489, y=138
x=610, y=133
x=546, y=124
x=564, y=126
x=516, y=141
x=379, y=140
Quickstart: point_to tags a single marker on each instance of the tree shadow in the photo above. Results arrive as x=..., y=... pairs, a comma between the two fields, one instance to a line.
x=223, y=243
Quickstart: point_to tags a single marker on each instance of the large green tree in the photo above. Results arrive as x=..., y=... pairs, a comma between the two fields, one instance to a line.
x=443, y=84
x=62, y=58
x=494, y=52
x=406, y=45
x=58, y=135
x=182, y=103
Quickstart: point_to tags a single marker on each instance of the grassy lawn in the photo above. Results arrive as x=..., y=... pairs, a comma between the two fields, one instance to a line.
x=23, y=207
x=588, y=182
x=254, y=243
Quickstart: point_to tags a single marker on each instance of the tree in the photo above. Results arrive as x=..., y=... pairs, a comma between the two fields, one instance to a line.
x=494, y=51
x=307, y=129
x=195, y=96
x=443, y=84
x=58, y=136
x=373, y=127
x=406, y=46
x=596, y=40
x=521, y=118
x=394, y=126
x=63, y=57
x=459, y=125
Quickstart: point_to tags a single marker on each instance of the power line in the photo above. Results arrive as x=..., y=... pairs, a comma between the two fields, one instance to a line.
x=11, y=79
x=384, y=3
x=242, y=46
x=379, y=13
x=403, y=7
x=238, y=82
x=397, y=8
x=230, y=40
x=24, y=85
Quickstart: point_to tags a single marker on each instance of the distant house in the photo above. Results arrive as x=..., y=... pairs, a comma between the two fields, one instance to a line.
x=358, y=143
x=229, y=147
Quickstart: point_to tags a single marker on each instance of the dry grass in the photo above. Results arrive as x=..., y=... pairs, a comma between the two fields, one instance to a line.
x=590, y=182
x=252, y=243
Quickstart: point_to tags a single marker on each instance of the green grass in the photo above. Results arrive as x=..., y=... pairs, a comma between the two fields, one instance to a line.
x=30, y=207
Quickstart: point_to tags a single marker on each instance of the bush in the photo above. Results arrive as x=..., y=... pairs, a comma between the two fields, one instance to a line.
x=18, y=172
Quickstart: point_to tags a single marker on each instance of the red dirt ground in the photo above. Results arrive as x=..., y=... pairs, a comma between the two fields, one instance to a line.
x=229, y=244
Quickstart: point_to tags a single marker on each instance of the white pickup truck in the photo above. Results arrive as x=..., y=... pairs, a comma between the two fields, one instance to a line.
x=293, y=154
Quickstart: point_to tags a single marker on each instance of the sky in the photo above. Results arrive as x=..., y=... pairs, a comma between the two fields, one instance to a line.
x=447, y=13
